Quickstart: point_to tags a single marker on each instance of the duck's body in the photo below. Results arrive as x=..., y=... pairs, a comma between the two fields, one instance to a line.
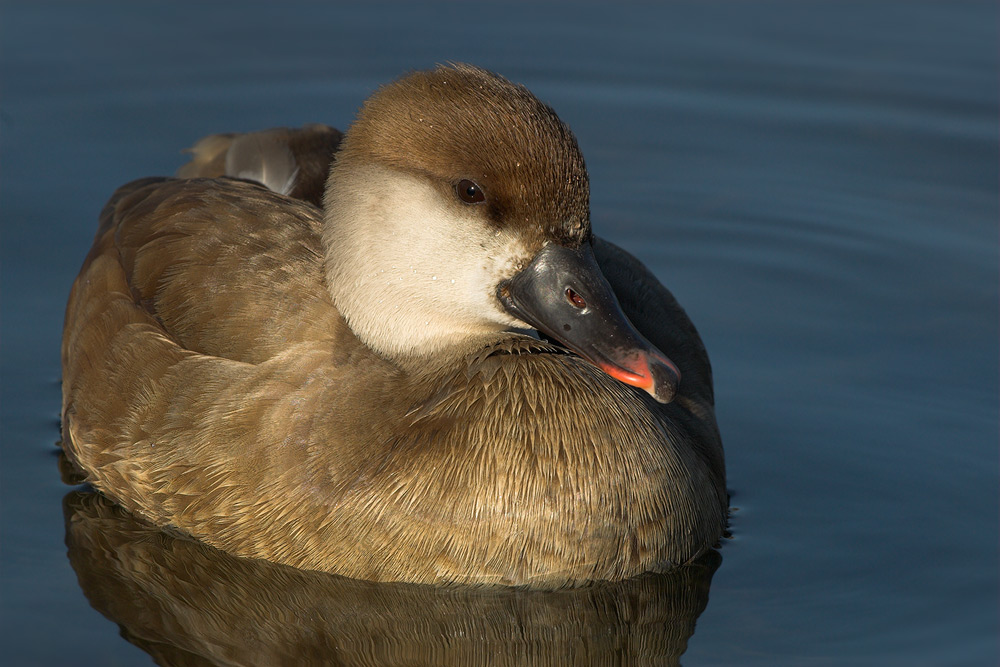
x=211, y=384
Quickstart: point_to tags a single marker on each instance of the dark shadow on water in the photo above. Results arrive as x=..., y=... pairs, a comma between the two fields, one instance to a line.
x=185, y=603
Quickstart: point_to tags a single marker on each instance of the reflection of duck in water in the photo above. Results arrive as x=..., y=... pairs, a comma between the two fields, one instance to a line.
x=188, y=604
x=343, y=389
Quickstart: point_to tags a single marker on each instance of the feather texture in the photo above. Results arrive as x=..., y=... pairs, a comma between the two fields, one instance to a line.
x=211, y=385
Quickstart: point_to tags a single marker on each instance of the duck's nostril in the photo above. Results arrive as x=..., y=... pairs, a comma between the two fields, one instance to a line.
x=575, y=299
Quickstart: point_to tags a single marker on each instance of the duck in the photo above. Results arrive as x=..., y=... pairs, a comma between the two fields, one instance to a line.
x=397, y=354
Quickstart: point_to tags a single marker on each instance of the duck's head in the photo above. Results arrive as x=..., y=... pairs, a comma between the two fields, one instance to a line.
x=458, y=207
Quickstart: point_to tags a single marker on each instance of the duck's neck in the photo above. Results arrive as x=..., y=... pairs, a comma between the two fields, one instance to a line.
x=406, y=269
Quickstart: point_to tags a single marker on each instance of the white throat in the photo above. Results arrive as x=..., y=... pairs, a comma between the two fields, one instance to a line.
x=414, y=272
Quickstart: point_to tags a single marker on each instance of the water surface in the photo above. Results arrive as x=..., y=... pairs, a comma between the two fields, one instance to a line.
x=816, y=182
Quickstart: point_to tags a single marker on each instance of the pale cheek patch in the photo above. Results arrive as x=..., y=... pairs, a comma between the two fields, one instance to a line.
x=412, y=272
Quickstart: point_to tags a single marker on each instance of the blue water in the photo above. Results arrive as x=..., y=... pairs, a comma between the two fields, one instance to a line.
x=817, y=182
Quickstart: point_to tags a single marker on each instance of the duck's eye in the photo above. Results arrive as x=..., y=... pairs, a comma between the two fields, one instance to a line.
x=575, y=299
x=469, y=192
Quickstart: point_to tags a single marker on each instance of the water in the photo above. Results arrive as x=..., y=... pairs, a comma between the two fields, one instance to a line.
x=816, y=182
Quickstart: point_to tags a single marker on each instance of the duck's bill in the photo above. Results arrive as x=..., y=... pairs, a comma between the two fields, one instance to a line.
x=564, y=294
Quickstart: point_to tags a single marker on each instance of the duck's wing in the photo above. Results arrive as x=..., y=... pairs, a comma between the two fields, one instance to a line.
x=224, y=267
x=201, y=358
x=656, y=314
x=290, y=161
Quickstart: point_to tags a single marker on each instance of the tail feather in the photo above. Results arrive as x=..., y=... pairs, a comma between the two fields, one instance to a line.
x=265, y=158
x=293, y=162
x=209, y=157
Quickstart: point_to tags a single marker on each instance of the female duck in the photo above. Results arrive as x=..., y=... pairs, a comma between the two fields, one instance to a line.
x=360, y=389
